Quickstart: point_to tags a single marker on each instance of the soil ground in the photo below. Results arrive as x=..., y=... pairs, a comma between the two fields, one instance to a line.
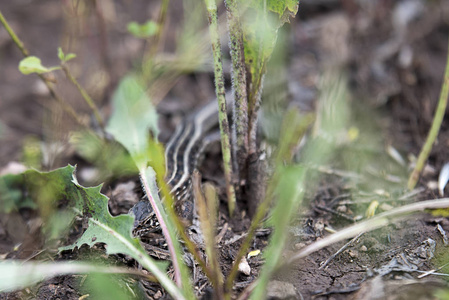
x=393, y=55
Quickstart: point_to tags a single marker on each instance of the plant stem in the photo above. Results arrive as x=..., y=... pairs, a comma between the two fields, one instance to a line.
x=433, y=133
x=159, y=167
x=84, y=94
x=67, y=108
x=239, y=85
x=206, y=205
x=293, y=129
x=164, y=227
x=222, y=111
x=148, y=60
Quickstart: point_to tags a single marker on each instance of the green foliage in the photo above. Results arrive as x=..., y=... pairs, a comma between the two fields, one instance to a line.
x=11, y=194
x=16, y=275
x=33, y=187
x=32, y=153
x=110, y=158
x=41, y=190
x=32, y=64
x=441, y=294
x=260, y=27
x=117, y=287
x=65, y=57
x=134, y=117
x=144, y=30
x=114, y=232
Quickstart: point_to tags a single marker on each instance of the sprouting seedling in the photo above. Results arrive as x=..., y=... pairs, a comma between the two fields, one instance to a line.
x=65, y=57
x=33, y=64
x=144, y=30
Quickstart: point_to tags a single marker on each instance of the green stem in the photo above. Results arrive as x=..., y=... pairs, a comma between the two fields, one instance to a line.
x=155, y=41
x=84, y=94
x=433, y=133
x=293, y=129
x=222, y=112
x=159, y=167
x=67, y=108
x=239, y=85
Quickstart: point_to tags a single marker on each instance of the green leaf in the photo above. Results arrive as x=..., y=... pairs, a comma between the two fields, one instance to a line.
x=33, y=187
x=43, y=190
x=70, y=56
x=115, y=232
x=283, y=8
x=111, y=158
x=133, y=119
x=118, y=287
x=61, y=54
x=15, y=275
x=260, y=29
x=65, y=57
x=32, y=64
x=11, y=194
x=143, y=31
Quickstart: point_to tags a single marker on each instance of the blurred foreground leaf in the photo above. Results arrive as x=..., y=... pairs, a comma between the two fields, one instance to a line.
x=11, y=194
x=110, y=158
x=16, y=275
x=32, y=187
x=133, y=119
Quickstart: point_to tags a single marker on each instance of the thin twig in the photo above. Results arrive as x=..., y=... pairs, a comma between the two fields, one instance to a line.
x=433, y=133
x=67, y=108
x=340, y=250
x=84, y=94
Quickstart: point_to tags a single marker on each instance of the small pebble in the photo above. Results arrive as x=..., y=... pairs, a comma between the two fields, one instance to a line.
x=244, y=267
x=353, y=253
x=299, y=246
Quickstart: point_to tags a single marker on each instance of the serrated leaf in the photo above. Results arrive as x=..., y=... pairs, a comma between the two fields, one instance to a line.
x=133, y=118
x=145, y=30
x=32, y=64
x=115, y=233
x=17, y=191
